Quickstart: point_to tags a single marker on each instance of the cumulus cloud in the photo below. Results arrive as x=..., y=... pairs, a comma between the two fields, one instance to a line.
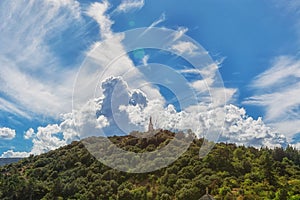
x=116, y=94
x=244, y=130
x=238, y=127
x=29, y=134
x=122, y=109
x=99, y=58
x=13, y=154
x=277, y=91
x=7, y=133
x=130, y=5
x=117, y=106
x=45, y=139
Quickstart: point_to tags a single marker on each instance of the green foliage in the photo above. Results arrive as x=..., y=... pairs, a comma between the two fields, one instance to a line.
x=228, y=171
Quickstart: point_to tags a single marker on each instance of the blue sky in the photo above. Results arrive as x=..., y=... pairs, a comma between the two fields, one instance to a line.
x=254, y=45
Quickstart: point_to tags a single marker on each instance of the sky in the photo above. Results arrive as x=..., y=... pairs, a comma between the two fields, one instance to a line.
x=68, y=70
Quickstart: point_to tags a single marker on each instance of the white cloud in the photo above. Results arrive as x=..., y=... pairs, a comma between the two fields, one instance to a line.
x=239, y=128
x=26, y=26
x=69, y=128
x=130, y=5
x=29, y=134
x=202, y=85
x=296, y=145
x=33, y=94
x=132, y=107
x=72, y=5
x=116, y=93
x=14, y=154
x=46, y=139
x=277, y=90
x=161, y=19
x=98, y=12
x=125, y=109
x=180, y=32
x=54, y=136
x=33, y=80
x=12, y=108
x=30, y=73
x=7, y=133
x=288, y=127
x=244, y=130
x=277, y=106
x=182, y=47
x=145, y=60
x=206, y=87
x=278, y=87
x=99, y=61
x=283, y=72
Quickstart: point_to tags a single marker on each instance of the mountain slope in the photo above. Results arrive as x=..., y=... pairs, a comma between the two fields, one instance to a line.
x=229, y=172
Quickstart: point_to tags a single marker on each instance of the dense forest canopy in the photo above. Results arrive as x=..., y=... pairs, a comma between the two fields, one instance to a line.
x=228, y=172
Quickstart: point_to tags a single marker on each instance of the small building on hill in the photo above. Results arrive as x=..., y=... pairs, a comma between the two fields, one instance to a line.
x=207, y=196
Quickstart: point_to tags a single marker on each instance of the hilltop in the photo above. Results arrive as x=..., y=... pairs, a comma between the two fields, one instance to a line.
x=228, y=171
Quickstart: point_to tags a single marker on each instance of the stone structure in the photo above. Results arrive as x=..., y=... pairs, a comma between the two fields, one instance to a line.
x=150, y=126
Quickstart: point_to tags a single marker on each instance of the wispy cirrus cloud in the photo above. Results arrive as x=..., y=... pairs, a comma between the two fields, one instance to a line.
x=284, y=71
x=31, y=74
x=180, y=32
x=98, y=12
x=129, y=5
x=161, y=19
x=48, y=89
x=277, y=89
x=182, y=47
x=10, y=107
x=102, y=57
x=205, y=86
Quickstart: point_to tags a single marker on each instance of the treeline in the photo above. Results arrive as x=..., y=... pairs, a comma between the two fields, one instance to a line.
x=228, y=171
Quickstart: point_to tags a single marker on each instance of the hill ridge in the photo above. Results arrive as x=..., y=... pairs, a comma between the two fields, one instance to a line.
x=229, y=171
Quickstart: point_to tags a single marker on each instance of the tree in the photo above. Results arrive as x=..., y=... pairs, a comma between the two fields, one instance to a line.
x=267, y=169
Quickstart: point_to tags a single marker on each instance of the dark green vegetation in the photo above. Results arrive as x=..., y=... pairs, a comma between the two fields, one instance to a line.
x=229, y=172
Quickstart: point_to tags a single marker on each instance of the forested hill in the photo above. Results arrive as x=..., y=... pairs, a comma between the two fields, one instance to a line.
x=229, y=172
